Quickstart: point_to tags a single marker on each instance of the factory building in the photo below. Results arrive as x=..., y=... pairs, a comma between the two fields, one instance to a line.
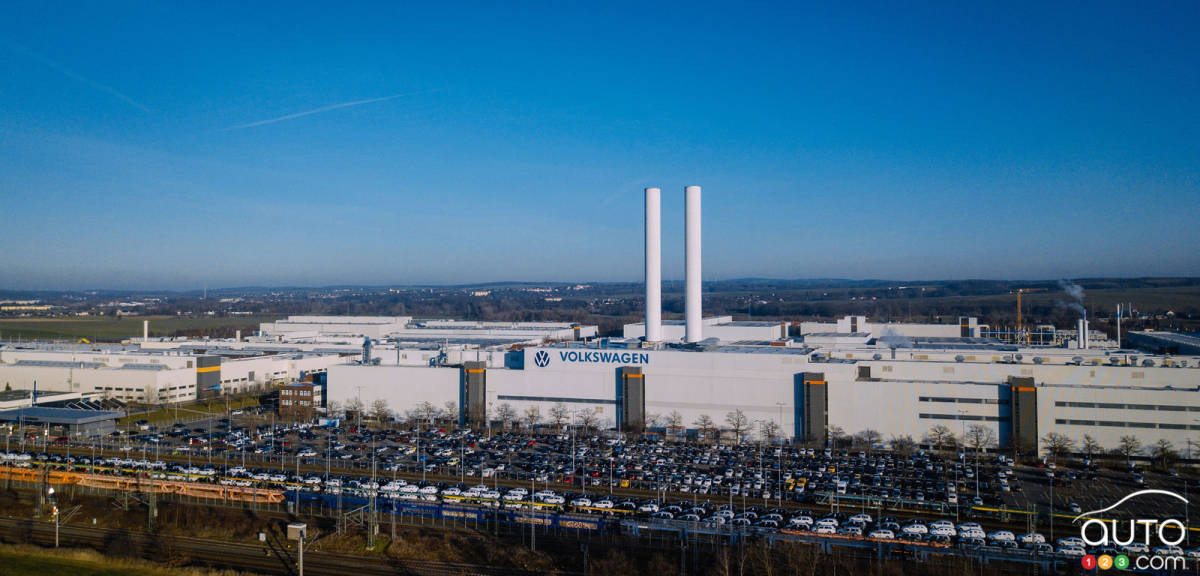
x=153, y=376
x=897, y=379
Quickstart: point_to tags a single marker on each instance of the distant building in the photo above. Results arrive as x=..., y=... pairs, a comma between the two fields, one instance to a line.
x=299, y=400
x=58, y=422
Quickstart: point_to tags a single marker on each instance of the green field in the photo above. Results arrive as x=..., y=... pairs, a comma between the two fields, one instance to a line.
x=160, y=415
x=109, y=329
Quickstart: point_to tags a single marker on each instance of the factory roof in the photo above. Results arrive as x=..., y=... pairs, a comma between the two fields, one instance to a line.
x=59, y=364
x=1176, y=337
x=58, y=415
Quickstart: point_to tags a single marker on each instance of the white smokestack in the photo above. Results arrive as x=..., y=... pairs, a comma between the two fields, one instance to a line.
x=145, y=330
x=1083, y=335
x=238, y=336
x=653, y=265
x=691, y=309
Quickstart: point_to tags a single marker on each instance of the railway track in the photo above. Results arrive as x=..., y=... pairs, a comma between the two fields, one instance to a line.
x=271, y=557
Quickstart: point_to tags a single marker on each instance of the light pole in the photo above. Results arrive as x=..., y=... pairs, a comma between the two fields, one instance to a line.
x=54, y=506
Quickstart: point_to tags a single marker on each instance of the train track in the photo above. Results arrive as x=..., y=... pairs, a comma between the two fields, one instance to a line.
x=271, y=557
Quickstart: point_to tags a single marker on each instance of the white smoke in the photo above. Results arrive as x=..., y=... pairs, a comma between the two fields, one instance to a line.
x=1075, y=291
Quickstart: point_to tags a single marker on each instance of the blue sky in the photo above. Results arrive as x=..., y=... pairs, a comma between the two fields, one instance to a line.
x=162, y=145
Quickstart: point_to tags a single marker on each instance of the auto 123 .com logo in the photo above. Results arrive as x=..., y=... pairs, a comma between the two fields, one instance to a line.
x=541, y=358
x=1161, y=536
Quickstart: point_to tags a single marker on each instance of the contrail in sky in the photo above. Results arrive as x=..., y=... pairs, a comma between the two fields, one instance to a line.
x=76, y=77
x=320, y=110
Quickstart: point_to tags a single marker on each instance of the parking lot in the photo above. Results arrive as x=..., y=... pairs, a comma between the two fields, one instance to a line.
x=922, y=496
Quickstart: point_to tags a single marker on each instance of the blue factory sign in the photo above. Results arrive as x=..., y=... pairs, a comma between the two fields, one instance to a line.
x=542, y=359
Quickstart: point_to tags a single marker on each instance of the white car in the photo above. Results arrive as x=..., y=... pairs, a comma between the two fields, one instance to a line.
x=1167, y=551
x=882, y=534
x=943, y=531
x=648, y=508
x=824, y=529
x=1002, y=535
x=1072, y=551
x=861, y=518
x=915, y=529
x=1135, y=548
x=1070, y=542
x=1032, y=538
x=581, y=502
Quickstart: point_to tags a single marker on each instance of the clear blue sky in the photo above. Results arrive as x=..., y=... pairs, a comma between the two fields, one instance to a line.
x=169, y=145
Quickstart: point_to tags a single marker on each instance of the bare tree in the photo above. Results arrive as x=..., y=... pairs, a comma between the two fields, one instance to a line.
x=589, y=420
x=869, y=438
x=532, y=416
x=1128, y=447
x=654, y=420
x=768, y=430
x=675, y=423
x=334, y=409
x=426, y=411
x=559, y=414
x=837, y=435
x=1163, y=451
x=738, y=422
x=506, y=414
x=380, y=412
x=903, y=445
x=1058, y=444
x=939, y=437
x=450, y=412
x=704, y=423
x=1090, y=446
x=354, y=405
x=980, y=437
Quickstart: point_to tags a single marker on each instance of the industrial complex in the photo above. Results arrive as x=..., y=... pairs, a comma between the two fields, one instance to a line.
x=809, y=381
x=843, y=377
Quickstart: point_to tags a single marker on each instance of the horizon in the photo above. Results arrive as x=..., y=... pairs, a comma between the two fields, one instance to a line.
x=178, y=146
x=674, y=283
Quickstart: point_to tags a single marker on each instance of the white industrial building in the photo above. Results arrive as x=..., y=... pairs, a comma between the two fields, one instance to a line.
x=332, y=329
x=180, y=374
x=850, y=375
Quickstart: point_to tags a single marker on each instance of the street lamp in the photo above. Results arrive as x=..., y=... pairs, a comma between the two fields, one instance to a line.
x=298, y=531
x=54, y=506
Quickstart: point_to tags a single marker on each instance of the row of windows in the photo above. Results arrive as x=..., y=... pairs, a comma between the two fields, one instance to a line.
x=554, y=399
x=1163, y=407
x=997, y=401
x=967, y=417
x=1111, y=424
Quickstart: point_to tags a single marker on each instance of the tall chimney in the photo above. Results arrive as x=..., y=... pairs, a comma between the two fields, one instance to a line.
x=145, y=330
x=653, y=265
x=1083, y=333
x=691, y=309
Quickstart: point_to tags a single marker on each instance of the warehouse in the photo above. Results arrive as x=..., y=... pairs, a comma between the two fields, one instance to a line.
x=59, y=422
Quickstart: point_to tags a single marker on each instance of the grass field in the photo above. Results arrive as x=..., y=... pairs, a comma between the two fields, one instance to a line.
x=109, y=329
x=32, y=561
x=159, y=415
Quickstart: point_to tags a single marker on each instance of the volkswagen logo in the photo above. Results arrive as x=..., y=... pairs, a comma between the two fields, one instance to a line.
x=542, y=359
